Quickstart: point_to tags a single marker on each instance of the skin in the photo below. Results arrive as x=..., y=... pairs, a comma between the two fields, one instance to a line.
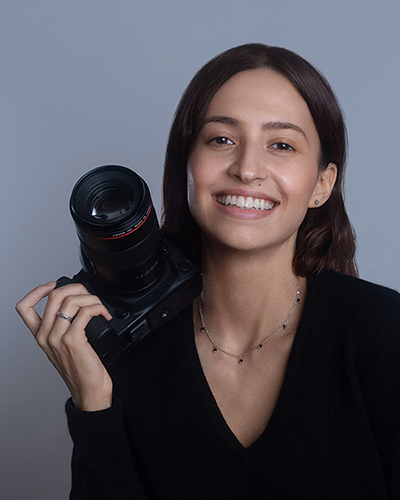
x=249, y=284
x=66, y=345
x=236, y=153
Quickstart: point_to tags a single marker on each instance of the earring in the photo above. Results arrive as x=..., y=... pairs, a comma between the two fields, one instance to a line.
x=316, y=202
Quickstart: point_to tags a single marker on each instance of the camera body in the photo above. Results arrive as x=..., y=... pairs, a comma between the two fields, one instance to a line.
x=141, y=278
x=136, y=315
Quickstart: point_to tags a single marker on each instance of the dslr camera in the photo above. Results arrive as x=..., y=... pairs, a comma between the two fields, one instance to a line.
x=140, y=277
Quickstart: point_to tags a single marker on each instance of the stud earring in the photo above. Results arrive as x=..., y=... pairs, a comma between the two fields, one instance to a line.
x=316, y=202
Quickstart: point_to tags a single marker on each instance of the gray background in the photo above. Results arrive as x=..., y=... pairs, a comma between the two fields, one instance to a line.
x=91, y=82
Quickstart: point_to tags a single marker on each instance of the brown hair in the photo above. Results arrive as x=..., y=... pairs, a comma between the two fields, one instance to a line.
x=325, y=239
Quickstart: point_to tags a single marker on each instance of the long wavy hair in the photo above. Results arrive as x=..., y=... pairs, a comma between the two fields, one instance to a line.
x=325, y=239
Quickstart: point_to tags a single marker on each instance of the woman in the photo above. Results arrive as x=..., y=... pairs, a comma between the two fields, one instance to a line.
x=282, y=380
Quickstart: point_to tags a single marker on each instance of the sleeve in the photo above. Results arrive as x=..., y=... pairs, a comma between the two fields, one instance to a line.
x=102, y=464
x=382, y=393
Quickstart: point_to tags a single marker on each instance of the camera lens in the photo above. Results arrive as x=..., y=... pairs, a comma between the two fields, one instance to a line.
x=118, y=228
x=109, y=204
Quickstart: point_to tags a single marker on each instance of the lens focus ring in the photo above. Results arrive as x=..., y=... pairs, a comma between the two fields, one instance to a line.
x=128, y=258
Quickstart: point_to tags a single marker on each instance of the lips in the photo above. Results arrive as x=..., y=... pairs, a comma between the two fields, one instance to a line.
x=246, y=202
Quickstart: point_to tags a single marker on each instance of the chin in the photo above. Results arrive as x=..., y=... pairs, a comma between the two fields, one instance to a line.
x=248, y=242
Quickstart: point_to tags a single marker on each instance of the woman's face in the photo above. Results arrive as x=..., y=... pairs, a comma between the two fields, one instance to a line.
x=253, y=171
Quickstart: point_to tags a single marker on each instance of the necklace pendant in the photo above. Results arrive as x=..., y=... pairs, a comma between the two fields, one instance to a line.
x=258, y=346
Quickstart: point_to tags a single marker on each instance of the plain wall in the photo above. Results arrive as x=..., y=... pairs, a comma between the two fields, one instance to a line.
x=92, y=82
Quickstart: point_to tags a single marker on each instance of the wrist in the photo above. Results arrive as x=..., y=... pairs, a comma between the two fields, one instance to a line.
x=91, y=404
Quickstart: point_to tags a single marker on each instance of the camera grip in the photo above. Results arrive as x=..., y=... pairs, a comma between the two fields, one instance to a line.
x=97, y=328
x=99, y=332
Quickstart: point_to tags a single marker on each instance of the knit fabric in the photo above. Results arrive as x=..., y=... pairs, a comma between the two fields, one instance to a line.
x=334, y=434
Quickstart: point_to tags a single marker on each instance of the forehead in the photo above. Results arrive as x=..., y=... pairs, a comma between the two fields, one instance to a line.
x=262, y=95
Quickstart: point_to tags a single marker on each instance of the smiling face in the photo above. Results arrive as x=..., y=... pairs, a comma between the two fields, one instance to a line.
x=253, y=171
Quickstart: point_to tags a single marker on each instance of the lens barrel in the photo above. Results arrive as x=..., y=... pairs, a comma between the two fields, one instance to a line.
x=118, y=228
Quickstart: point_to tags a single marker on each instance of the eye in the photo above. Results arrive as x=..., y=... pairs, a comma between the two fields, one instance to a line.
x=282, y=146
x=221, y=141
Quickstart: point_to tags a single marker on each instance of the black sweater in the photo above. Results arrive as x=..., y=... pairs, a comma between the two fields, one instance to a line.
x=334, y=434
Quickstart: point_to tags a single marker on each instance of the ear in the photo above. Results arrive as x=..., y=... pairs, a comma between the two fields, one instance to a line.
x=324, y=186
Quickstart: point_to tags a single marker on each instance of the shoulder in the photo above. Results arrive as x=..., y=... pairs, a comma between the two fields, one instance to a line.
x=346, y=295
x=361, y=319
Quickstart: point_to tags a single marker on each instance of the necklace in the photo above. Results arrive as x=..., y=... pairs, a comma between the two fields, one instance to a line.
x=260, y=344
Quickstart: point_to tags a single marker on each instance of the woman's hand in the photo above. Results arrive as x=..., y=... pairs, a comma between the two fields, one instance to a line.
x=66, y=344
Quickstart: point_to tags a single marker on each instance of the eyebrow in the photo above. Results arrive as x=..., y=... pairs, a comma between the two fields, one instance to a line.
x=282, y=125
x=272, y=125
x=223, y=119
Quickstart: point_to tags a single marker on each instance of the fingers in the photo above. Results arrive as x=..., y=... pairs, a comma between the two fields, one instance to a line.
x=56, y=300
x=82, y=308
x=87, y=311
x=70, y=307
x=65, y=342
x=70, y=300
x=25, y=307
x=68, y=349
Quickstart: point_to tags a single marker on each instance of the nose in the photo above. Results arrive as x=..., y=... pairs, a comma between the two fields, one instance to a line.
x=249, y=164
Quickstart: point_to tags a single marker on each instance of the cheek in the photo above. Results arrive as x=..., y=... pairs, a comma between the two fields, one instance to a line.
x=193, y=188
x=302, y=186
x=198, y=176
x=191, y=184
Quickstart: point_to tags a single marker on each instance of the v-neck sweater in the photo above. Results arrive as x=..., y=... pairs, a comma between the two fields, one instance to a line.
x=334, y=433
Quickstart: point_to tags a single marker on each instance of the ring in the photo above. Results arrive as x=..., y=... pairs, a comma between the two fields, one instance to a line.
x=65, y=316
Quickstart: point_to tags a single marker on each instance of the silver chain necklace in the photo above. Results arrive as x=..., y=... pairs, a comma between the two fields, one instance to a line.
x=260, y=344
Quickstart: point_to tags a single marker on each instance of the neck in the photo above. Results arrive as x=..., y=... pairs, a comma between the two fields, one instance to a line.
x=246, y=296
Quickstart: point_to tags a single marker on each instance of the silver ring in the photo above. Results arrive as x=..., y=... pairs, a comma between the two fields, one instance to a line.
x=65, y=316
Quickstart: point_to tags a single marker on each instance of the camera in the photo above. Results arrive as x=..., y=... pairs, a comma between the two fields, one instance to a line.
x=141, y=278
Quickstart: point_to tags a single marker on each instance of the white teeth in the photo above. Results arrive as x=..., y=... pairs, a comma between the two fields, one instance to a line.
x=240, y=202
x=247, y=203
